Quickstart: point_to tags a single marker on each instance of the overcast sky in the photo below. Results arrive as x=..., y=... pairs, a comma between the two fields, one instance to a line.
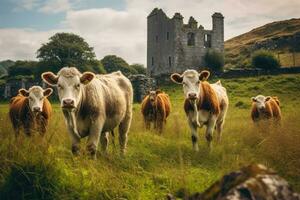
x=119, y=26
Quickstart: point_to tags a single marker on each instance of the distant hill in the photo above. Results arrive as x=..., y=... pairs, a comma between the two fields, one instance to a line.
x=4, y=65
x=280, y=37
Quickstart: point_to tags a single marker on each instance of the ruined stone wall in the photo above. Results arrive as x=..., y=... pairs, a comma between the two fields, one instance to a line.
x=141, y=86
x=168, y=49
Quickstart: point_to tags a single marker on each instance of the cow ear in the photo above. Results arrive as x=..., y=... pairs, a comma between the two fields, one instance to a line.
x=23, y=92
x=87, y=77
x=47, y=92
x=177, y=78
x=50, y=78
x=158, y=91
x=253, y=99
x=267, y=98
x=203, y=76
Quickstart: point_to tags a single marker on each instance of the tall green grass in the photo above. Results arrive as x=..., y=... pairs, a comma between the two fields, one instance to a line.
x=155, y=165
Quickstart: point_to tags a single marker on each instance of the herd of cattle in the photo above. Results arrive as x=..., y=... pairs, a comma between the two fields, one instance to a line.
x=94, y=105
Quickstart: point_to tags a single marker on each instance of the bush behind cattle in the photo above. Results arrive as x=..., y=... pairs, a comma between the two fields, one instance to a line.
x=156, y=165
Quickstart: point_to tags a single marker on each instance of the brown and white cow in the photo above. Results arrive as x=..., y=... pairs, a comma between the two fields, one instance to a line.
x=264, y=108
x=93, y=105
x=205, y=103
x=30, y=110
x=156, y=107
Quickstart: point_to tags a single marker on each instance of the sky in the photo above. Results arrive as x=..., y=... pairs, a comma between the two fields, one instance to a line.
x=119, y=27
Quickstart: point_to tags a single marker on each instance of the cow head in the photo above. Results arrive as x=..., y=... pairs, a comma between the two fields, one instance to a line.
x=152, y=96
x=260, y=102
x=190, y=79
x=36, y=96
x=69, y=82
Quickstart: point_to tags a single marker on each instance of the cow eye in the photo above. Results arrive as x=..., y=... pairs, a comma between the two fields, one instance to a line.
x=30, y=98
x=60, y=86
x=41, y=98
x=198, y=82
x=77, y=86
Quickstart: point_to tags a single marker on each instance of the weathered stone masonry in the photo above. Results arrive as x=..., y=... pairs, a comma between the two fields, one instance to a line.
x=173, y=46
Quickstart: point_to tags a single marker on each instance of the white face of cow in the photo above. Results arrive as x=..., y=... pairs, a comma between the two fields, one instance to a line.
x=190, y=79
x=260, y=102
x=69, y=84
x=36, y=96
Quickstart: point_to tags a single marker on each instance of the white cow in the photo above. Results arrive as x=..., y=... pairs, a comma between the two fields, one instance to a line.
x=205, y=104
x=93, y=106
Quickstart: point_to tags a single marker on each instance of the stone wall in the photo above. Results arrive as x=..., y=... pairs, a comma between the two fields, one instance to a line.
x=168, y=47
x=141, y=86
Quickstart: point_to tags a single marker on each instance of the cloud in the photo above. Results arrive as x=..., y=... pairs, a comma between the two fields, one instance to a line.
x=123, y=32
x=17, y=44
x=55, y=6
x=47, y=7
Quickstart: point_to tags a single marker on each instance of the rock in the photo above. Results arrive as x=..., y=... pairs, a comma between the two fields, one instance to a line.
x=254, y=182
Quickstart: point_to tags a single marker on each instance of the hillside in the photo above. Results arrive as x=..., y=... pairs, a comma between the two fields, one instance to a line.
x=4, y=65
x=280, y=37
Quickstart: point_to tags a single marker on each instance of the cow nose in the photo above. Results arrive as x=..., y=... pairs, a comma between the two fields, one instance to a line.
x=192, y=95
x=36, y=109
x=68, y=102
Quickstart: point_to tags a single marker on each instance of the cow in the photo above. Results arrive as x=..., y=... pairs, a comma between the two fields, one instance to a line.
x=204, y=104
x=93, y=105
x=30, y=110
x=155, y=108
x=265, y=108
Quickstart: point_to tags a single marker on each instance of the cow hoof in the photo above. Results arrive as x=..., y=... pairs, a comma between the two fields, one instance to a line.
x=196, y=148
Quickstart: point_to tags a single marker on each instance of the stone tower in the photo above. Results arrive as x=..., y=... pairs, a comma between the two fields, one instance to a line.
x=173, y=46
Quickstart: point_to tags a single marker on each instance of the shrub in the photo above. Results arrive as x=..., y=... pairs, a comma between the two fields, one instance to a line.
x=214, y=60
x=264, y=60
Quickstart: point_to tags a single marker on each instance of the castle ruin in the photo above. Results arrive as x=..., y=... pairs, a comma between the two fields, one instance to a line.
x=173, y=46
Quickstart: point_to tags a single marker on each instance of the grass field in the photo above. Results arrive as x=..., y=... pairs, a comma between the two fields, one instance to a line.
x=155, y=165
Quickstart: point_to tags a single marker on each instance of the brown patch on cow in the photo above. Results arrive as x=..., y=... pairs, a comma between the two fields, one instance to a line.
x=21, y=115
x=207, y=101
x=272, y=110
x=156, y=112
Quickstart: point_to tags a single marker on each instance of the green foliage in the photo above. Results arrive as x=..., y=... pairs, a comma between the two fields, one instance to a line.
x=23, y=68
x=214, y=60
x=31, y=181
x=66, y=49
x=139, y=68
x=113, y=63
x=265, y=60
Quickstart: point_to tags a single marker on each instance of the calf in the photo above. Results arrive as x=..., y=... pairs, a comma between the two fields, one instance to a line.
x=93, y=105
x=30, y=109
x=264, y=108
x=205, y=104
x=156, y=108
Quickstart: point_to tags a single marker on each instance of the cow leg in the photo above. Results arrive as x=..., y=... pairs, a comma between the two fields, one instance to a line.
x=159, y=122
x=193, y=127
x=147, y=124
x=75, y=143
x=209, y=130
x=123, y=131
x=104, y=141
x=219, y=128
x=93, y=139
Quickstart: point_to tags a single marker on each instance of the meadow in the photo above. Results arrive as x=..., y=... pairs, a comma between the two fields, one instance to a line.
x=155, y=165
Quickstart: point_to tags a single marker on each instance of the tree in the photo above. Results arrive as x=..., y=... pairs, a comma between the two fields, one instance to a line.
x=113, y=63
x=23, y=68
x=139, y=68
x=264, y=59
x=66, y=49
x=214, y=60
